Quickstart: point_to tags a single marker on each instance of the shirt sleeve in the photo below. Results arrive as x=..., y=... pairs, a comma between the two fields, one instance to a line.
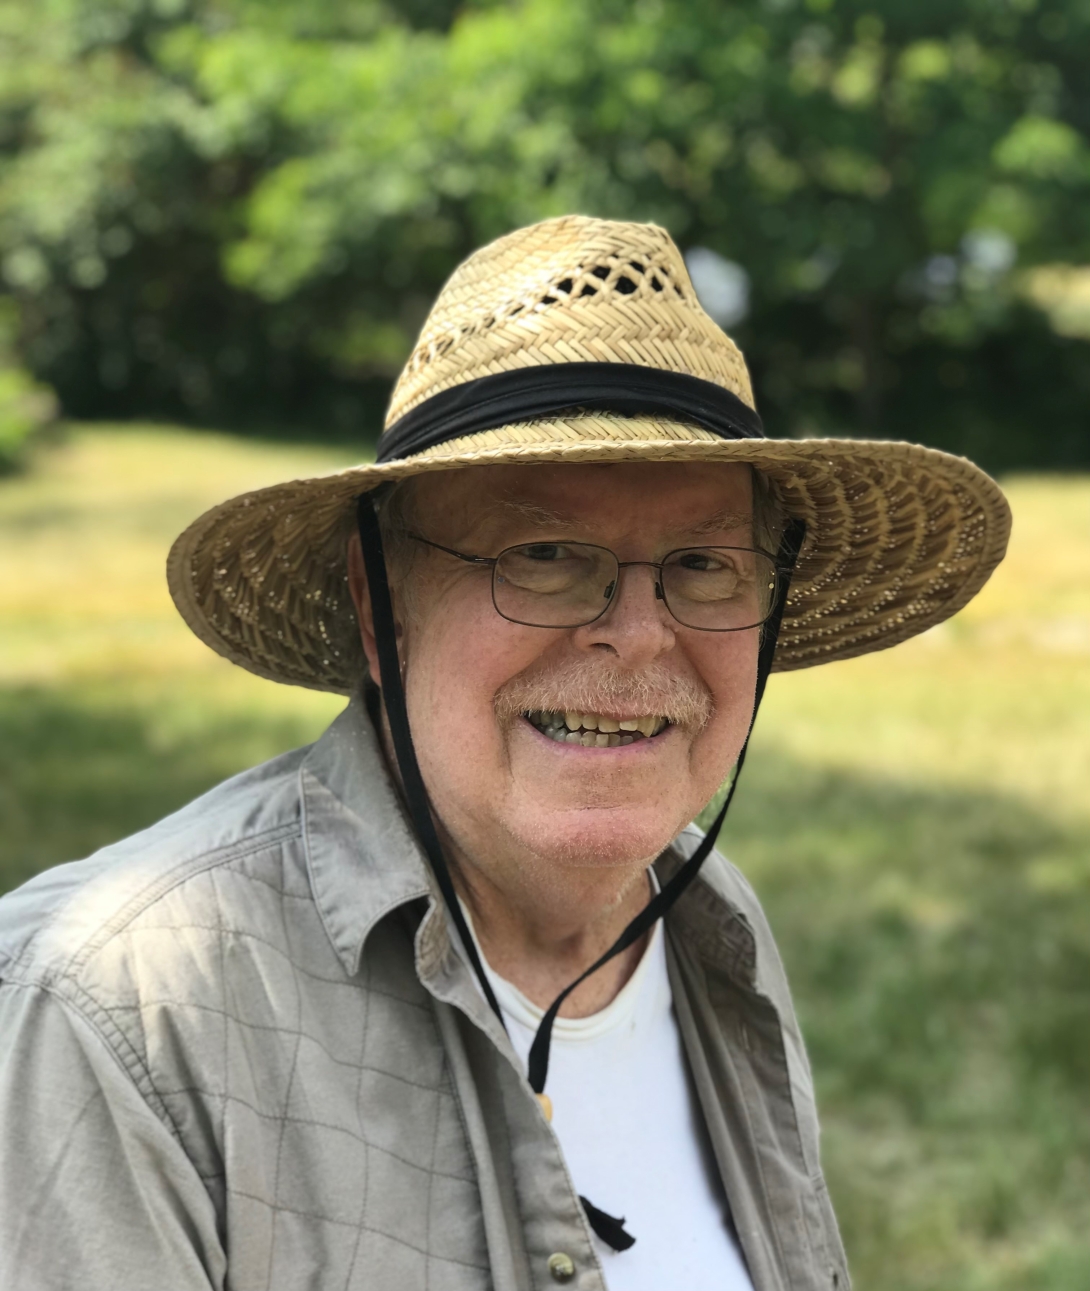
x=96, y=1192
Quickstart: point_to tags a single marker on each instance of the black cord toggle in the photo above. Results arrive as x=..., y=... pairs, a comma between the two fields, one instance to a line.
x=612, y=1231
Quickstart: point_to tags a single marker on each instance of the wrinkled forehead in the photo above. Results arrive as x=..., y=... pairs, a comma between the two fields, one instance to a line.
x=666, y=498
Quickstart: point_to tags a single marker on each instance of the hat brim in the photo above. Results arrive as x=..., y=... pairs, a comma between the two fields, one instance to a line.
x=899, y=538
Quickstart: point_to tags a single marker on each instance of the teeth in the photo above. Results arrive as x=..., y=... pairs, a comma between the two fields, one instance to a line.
x=592, y=731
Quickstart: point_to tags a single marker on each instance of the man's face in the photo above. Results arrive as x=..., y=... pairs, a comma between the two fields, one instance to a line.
x=508, y=795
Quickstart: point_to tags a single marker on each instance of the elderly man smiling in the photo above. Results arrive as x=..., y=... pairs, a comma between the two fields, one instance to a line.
x=400, y=1010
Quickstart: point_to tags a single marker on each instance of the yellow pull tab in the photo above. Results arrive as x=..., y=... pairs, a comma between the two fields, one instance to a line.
x=546, y=1105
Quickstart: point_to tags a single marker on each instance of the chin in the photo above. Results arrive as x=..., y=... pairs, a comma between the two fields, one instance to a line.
x=597, y=839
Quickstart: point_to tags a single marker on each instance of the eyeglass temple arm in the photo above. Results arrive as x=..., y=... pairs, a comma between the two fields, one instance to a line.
x=470, y=560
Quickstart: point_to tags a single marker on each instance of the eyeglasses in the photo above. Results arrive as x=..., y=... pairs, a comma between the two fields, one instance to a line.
x=570, y=584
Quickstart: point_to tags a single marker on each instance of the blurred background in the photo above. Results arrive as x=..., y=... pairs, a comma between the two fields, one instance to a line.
x=223, y=221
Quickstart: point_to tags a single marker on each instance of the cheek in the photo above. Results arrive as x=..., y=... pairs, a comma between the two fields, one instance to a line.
x=457, y=659
x=727, y=664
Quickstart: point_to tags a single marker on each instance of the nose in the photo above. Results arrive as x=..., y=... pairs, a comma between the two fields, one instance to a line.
x=637, y=627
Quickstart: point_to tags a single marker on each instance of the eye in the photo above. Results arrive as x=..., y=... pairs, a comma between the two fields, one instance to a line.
x=548, y=551
x=551, y=567
x=696, y=560
x=709, y=560
x=707, y=574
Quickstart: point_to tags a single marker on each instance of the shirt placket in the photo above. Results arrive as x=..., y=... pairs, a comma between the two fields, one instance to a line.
x=536, y=1228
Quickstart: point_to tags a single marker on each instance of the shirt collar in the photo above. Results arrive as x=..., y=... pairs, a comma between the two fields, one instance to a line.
x=362, y=856
x=714, y=918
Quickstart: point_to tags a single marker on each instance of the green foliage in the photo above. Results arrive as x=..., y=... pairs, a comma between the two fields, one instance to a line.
x=25, y=404
x=233, y=210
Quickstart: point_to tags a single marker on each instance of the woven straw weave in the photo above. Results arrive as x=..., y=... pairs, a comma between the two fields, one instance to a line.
x=569, y=291
x=899, y=537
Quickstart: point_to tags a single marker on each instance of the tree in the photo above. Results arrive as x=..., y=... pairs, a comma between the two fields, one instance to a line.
x=241, y=212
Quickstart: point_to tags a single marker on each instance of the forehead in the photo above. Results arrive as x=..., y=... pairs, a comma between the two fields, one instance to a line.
x=603, y=498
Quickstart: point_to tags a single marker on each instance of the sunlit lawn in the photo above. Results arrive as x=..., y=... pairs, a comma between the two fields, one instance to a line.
x=918, y=824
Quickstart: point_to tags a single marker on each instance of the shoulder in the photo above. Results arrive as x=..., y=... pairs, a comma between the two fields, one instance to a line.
x=55, y=926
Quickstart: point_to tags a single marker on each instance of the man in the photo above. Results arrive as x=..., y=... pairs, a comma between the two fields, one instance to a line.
x=400, y=1010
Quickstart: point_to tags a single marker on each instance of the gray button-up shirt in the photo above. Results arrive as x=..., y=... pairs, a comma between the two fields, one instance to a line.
x=239, y=1050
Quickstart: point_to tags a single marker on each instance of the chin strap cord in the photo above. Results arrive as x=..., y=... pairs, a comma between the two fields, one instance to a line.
x=393, y=697
x=609, y=1229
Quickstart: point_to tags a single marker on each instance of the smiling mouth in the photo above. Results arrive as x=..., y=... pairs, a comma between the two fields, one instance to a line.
x=591, y=730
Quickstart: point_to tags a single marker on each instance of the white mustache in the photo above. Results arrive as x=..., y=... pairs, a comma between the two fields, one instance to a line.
x=589, y=686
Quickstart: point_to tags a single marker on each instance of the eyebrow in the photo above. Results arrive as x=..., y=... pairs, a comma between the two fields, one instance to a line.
x=486, y=523
x=516, y=509
x=725, y=519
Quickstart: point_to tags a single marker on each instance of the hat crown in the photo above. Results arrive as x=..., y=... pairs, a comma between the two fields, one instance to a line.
x=569, y=290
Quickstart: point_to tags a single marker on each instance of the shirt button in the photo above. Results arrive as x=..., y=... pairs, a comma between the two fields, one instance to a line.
x=562, y=1267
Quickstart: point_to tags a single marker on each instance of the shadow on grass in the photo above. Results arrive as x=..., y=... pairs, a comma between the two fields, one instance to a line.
x=937, y=941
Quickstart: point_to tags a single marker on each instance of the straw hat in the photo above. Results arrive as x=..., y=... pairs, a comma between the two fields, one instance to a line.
x=899, y=537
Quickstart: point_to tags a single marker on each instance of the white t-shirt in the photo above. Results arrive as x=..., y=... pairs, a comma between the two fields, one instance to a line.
x=633, y=1134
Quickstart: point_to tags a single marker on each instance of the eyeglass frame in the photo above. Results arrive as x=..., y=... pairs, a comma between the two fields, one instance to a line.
x=660, y=595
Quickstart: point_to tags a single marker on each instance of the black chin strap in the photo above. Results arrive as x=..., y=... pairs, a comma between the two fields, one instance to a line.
x=393, y=696
x=609, y=1229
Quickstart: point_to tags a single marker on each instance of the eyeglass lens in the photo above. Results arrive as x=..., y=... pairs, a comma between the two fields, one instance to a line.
x=718, y=589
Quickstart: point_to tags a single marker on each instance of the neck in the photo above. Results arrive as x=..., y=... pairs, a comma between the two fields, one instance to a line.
x=540, y=941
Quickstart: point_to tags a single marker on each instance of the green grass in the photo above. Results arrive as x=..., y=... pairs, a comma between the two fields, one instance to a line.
x=917, y=823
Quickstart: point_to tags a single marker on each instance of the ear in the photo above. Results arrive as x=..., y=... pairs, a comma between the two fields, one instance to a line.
x=361, y=599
